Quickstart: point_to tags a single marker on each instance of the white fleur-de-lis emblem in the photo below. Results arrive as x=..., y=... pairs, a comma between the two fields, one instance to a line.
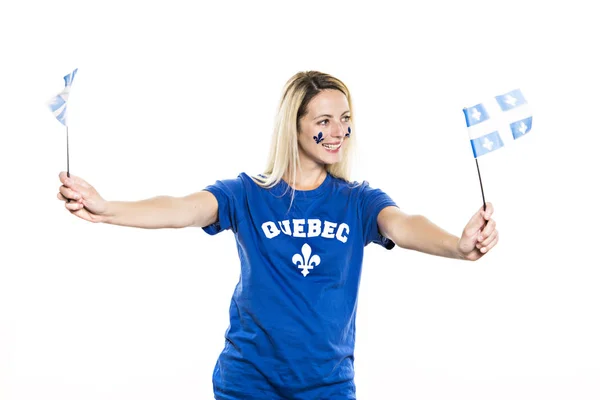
x=522, y=128
x=305, y=261
x=508, y=99
x=488, y=144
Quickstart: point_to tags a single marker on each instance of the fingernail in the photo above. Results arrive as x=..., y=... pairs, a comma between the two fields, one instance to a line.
x=480, y=238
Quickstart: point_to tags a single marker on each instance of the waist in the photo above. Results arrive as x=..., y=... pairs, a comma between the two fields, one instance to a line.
x=242, y=369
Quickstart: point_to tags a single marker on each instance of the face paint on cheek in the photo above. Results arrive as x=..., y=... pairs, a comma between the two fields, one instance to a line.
x=349, y=132
x=319, y=138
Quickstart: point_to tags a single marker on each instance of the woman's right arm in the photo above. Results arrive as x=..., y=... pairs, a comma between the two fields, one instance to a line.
x=197, y=209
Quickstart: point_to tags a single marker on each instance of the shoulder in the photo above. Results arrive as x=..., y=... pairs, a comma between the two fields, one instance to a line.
x=372, y=198
x=241, y=179
x=242, y=184
x=230, y=187
x=253, y=181
x=355, y=188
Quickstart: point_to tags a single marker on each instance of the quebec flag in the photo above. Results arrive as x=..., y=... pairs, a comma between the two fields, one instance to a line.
x=58, y=104
x=505, y=116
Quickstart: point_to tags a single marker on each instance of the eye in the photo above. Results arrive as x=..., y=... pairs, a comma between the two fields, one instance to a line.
x=346, y=118
x=325, y=120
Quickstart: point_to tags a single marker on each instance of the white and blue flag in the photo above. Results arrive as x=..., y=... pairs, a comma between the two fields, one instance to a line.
x=58, y=104
x=521, y=127
x=511, y=100
x=476, y=115
x=486, y=143
x=506, y=116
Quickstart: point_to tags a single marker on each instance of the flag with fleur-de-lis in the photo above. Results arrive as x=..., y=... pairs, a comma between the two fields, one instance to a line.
x=505, y=116
x=58, y=103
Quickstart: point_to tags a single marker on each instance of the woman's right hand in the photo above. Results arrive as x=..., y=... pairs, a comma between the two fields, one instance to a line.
x=81, y=199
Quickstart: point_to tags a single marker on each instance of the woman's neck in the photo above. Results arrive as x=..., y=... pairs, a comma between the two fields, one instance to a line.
x=308, y=178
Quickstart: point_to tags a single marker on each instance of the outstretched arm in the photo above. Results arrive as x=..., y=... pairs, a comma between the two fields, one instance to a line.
x=416, y=232
x=197, y=209
x=82, y=200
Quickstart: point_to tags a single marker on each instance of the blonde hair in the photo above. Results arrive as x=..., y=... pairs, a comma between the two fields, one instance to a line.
x=283, y=159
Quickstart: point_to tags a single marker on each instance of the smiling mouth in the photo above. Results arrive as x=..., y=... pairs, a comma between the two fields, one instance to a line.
x=329, y=146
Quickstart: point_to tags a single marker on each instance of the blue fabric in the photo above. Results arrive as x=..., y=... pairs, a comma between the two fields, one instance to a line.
x=58, y=104
x=292, y=314
x=511, y=100
x=486, y=144
x=521, y=127
x=476, y=114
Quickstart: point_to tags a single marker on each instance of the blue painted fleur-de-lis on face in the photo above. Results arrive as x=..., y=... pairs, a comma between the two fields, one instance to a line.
x=305, y=261
x=349, y=132
x=319, y=138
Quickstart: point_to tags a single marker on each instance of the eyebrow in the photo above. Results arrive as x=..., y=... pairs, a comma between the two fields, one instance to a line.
x=330, y=116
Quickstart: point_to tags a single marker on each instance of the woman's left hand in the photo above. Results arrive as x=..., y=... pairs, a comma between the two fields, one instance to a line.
x=480, y=235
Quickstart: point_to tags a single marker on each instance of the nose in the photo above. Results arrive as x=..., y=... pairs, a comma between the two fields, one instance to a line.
x=337, y=130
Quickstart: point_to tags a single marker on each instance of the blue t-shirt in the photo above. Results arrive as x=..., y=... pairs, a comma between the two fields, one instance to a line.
x=292, y=314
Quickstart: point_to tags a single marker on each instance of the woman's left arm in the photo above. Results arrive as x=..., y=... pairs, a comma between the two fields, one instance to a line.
x=415, y=232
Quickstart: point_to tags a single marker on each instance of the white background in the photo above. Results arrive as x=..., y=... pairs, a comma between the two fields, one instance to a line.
x=171, y=97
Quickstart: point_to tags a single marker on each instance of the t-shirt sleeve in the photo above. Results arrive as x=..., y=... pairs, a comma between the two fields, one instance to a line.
x=230, y=195
x=372, y=202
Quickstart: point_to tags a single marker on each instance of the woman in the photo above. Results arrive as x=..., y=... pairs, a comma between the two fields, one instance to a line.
x=301, y=228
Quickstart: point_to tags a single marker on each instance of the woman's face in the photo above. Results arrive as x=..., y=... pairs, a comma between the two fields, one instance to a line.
x=324, y=128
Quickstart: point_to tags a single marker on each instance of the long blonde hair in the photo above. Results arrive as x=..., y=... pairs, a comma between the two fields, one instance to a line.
x=283, y=159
